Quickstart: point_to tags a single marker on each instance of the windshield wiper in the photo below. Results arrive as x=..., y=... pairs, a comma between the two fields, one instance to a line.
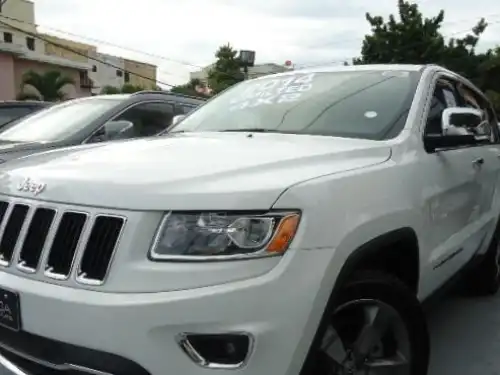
x=252, y=130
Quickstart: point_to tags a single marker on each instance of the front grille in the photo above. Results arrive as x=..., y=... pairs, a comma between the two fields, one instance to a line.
x=102, y=239
x=44, y=239
x=11, y=232
x=63, y=249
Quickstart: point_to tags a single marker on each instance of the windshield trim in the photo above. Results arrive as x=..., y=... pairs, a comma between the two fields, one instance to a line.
x=391, y=131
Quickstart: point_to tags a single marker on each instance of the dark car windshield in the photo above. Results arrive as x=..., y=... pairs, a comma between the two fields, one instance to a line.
x=357, y=104
x=10, y=114
x=57, y=122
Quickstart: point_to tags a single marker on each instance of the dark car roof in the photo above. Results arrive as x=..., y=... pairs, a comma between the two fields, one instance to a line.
x=24, y=103
x=148, y=95
x=119, y=103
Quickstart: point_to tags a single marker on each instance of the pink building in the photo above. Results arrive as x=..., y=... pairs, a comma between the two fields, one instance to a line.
x=14, y=62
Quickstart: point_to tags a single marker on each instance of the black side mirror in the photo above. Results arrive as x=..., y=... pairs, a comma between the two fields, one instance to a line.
x=457, y=126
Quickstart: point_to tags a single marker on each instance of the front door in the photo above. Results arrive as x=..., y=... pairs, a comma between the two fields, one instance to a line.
x=452, y=185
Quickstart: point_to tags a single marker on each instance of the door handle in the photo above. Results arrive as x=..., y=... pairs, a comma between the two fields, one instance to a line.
x=478, y=162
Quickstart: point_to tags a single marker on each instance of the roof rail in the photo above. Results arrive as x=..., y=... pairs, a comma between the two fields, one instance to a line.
x=143, y=92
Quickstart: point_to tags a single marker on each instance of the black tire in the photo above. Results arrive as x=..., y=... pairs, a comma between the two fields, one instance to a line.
x=378, y=286
x=484, y=279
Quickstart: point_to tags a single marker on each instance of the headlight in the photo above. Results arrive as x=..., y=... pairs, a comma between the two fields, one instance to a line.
x=213, y=236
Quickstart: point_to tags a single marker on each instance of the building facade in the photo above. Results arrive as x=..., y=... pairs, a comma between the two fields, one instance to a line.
x=140, y=74
x=22, y=49
x=107, y=70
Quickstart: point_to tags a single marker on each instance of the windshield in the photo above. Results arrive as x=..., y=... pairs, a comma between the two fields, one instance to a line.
x=9, y=114
x=356, y=104
x=57, y=122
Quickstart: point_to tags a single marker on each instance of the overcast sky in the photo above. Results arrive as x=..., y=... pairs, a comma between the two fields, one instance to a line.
x=184, y=34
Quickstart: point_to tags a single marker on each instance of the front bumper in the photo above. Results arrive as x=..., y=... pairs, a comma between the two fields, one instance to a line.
x=136, y=332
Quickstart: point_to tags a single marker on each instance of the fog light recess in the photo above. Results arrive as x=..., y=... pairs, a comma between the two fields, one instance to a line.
x=222, y=351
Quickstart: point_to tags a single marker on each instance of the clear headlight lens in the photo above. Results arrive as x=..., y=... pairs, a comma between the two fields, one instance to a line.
x=201, y=236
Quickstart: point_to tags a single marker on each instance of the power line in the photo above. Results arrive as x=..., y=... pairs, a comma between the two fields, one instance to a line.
x=445, y=23
x=180, y=62
x=76, y=52
x=103, y=42
x=407, y=47
x=410, y=46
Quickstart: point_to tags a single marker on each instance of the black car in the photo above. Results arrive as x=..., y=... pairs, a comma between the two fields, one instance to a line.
x=94, y=119
x=13, y=110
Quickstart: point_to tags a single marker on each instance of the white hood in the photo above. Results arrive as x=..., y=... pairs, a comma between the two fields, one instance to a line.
x=191, y=171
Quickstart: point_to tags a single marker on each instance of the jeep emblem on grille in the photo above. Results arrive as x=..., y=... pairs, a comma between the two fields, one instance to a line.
x=30, y=186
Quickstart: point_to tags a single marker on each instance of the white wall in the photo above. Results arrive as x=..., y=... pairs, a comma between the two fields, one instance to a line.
x=106, y=74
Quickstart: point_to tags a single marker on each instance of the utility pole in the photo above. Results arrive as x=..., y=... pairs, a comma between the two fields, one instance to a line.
x=2, y=3
x=246, y=60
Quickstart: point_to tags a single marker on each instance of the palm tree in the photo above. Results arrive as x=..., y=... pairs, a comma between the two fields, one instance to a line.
x=48, y=84
x=27, y=96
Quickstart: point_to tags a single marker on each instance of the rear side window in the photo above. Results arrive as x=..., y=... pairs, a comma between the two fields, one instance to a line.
x=149, y=118
x=183, y=109
x=9, y=114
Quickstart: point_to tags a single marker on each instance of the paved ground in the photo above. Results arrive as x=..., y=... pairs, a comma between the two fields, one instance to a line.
x=465, y=337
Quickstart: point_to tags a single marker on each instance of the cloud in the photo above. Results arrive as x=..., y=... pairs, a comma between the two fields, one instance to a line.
x=186, y=33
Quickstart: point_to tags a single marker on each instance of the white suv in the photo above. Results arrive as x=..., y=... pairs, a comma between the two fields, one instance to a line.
x=291, y=225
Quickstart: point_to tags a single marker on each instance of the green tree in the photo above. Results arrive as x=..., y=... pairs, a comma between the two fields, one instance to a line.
x=27, y=96
x=489, y=76
x=415, y=39
x=125, y=89
x=110, y=90
x=48, y=85
x=190, y=88
x=130, y=89
x=226, y=71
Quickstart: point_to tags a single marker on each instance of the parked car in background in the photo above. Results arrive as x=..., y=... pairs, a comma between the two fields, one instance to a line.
x=13, y=110
x=93, y=119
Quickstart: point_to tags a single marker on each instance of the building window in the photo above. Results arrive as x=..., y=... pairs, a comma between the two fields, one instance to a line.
x=94, y=68
x=119, y=73
x=30, y=43
x=7, y=37
x=127, y=77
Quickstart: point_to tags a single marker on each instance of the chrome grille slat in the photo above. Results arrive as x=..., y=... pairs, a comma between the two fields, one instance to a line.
x=36, y=237
x=63, y=249
x=100, y=248
x=12, y=231
x=22, y=234
x=46, y=238
x=5, y=219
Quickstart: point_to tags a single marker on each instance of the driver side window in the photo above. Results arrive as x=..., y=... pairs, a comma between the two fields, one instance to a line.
x=488, y=127
x=141, y=120
x=444, y=96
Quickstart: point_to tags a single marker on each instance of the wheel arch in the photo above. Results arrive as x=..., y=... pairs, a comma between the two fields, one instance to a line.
x=360, y=259
x=372, y=255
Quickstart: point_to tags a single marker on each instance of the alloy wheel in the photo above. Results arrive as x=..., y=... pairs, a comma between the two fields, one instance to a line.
x=365, y=337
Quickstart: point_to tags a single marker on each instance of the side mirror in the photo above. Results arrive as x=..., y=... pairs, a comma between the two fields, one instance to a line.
x=457, y=126
x=458, y=121
x=113, y=128
x=178, y=119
